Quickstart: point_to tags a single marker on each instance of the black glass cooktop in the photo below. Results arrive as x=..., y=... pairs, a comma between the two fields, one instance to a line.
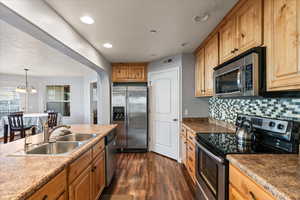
x=227, y=143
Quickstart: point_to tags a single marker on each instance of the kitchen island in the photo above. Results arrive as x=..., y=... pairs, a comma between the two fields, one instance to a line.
x=23, y=175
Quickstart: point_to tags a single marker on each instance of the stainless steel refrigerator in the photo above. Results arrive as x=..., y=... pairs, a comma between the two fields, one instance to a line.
x=129, y=111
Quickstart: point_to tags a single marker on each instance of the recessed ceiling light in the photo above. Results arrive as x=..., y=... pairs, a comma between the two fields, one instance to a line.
x=153, y=31
x=87, y=19
x=107, y=45
x=202, y=18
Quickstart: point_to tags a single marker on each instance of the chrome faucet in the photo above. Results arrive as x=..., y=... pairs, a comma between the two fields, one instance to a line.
x=47, y=132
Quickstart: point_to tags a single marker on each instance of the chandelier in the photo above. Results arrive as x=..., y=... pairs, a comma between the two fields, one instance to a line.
x=26, y=88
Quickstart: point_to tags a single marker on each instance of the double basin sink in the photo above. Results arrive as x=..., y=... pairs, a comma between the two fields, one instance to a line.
x=63, y=145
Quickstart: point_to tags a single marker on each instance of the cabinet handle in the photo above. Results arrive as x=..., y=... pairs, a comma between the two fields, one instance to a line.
x=232, y=51
x=235, y=49
x=190, y=148
x=45, y=197
x=252, y=195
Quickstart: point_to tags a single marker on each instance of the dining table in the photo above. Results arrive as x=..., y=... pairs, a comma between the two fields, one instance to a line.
x=35, y=119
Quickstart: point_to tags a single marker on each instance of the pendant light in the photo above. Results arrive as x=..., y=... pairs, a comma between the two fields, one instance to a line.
x=26, y=88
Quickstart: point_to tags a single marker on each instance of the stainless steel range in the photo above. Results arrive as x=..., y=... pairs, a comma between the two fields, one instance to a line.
x=269, y=136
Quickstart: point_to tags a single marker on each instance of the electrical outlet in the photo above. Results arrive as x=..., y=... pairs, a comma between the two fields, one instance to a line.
x=186, y=111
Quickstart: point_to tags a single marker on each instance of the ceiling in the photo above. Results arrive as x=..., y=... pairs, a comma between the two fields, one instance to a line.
x=126, y=24
x=18, y=50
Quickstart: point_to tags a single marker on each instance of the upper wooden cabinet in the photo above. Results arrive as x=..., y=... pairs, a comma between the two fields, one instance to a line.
x=242, y=30
x=282, y=39
x=129, y=72
x=249, y=25
x=199, y=74
x=211, y=61
x=227, y=40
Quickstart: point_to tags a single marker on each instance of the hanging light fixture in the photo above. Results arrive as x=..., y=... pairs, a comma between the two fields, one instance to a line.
x=26, y=88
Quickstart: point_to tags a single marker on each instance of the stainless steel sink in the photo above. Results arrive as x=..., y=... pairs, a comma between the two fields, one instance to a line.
x=76, y=137
x=55, y=148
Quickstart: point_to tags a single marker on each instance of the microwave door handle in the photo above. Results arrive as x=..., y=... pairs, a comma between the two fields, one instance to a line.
x=239, y=80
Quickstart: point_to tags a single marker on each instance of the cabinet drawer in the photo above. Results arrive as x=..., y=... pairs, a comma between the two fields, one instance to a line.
x=54, y=189
x=190, y=136
x=247, y=188
x=98, y=148
x=79, y=165
x=183, y=131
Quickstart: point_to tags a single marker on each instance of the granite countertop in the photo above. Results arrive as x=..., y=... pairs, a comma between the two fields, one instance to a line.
x=278, y=174
x=207, y=125
x=21, y=175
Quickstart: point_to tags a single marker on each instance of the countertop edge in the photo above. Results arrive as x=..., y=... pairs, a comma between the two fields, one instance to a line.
x=258, y=180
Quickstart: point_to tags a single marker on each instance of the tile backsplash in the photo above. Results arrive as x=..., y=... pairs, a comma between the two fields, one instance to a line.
x=227, y=109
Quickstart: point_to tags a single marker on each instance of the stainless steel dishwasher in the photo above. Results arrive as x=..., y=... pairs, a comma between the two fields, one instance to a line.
x=110, y=156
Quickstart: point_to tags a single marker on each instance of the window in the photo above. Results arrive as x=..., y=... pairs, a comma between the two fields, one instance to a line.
x=9, y=101
x=58, y=99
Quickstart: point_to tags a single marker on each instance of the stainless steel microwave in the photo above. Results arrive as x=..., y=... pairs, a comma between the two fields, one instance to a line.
x=242, y=76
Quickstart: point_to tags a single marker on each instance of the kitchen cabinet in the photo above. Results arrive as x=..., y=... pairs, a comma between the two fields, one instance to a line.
x=211, y=61
x=98, y=175
x=249, y=25
x=242, y=30
x=227, y=40
x=241, y=187
x=199, y=74
x=87, y=174
x=188, y=151
x=81, y=188
x=129, y=72
x=54, y=189
x=282, y=40
x=183, y=146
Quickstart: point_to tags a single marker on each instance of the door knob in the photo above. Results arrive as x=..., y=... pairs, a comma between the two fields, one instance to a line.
x=175, y=120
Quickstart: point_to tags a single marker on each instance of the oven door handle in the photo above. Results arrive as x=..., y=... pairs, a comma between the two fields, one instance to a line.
x=210, y=154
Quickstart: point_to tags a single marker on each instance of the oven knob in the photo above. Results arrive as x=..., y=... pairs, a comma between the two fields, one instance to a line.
x=280, y=126
x=243, y=118
x=272, y=124
x=239, y=118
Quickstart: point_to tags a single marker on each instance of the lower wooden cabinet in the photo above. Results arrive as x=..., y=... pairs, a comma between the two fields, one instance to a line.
x=98, y=175
x=242, y=187
x=81, y=188
x=188, y=152
x=54, y=189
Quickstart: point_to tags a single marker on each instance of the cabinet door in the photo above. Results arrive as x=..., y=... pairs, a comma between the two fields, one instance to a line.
x=249, y=25
x=120, y=73
x=282, y=29
x=199, y=73
x=54, y=189
x=137, y=73
x=234, y=194
x=81, y=188
x=183, y=150
x=227, y=40
x=211, y=61
x=63, y=196
x=98, y=176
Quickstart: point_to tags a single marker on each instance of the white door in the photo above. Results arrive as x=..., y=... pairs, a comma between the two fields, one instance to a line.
x=164, y=112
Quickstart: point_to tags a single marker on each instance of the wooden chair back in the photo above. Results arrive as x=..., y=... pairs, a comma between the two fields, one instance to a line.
x=52, y=119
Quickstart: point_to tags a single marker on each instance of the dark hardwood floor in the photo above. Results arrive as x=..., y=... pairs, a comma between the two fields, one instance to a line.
x=149, y=176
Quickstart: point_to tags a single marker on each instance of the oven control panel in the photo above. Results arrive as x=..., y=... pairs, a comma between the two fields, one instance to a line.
x=275, y=127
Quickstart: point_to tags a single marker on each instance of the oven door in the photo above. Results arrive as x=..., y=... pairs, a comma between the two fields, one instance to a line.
x=211, y=174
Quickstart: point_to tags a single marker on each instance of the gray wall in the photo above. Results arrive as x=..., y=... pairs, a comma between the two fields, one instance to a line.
x=191, y=106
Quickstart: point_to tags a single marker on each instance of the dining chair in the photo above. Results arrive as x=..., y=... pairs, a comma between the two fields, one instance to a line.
x=52, y=119
x=16, y=124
